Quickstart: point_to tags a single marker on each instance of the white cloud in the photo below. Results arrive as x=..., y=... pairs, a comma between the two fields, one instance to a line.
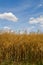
x=36, y=20
x=41, y=25
x=8, y=16
x=7, y=28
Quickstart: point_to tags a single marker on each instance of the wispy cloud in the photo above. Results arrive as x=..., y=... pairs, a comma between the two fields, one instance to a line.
x=21, y=8
x=35, y=8
x=36, y=20
x=8, y=16
x=40, y=5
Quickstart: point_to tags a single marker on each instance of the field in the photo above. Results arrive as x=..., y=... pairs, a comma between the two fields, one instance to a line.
x=21, y=49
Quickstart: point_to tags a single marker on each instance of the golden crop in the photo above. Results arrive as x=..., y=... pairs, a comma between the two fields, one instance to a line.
x=21, y=47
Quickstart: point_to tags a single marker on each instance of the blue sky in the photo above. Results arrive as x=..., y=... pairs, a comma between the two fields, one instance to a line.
x=28, y=13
